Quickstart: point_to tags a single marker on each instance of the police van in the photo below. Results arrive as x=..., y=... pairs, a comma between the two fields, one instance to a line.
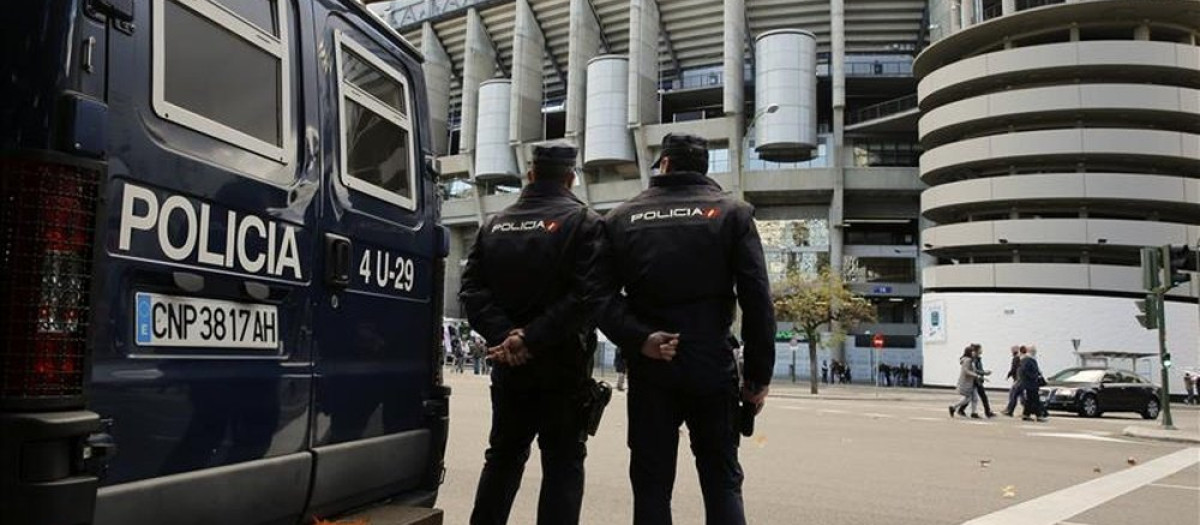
x=220, y=264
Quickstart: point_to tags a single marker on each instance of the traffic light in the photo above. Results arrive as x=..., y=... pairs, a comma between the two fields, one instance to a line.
x=1166, y=360
x=1148, y=307
x=1151, y=268
x=1176, y=260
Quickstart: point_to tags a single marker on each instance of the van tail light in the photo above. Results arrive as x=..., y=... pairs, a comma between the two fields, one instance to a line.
x=47, y=225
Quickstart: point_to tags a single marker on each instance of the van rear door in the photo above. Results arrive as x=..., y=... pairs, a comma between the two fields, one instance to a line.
x=376, y=316
x=202, y=344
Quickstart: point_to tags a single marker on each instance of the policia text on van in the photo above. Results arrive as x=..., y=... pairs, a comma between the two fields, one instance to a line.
x=220, y=264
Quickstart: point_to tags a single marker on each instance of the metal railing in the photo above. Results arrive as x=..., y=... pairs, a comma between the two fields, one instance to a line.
x=994, y=10
x=416, y=11
x=1030, y=4
x=883, y=109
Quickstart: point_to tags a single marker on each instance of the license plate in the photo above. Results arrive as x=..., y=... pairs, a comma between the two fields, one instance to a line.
x=168, y=320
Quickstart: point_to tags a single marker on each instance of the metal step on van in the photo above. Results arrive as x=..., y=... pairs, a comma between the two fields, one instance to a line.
x=221, y=264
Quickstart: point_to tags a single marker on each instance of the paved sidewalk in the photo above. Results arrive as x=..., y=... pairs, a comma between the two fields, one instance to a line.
x=1157, y=433
x=801, y=390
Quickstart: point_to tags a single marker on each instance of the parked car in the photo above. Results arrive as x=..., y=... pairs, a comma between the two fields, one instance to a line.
x=1092, y=391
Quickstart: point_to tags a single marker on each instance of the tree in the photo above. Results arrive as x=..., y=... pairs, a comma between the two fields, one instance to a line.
x=815, y=302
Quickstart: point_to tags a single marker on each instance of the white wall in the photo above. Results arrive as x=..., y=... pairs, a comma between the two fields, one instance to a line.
x=999, y=320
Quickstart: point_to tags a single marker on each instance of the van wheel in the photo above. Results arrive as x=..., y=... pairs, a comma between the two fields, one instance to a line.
x=1151, y=410
x=1089, y=406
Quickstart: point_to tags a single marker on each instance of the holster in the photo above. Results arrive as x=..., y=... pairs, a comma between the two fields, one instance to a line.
x=596, y=395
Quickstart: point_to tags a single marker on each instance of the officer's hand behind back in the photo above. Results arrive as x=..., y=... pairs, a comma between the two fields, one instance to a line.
x=756, y=397
x=661, y=346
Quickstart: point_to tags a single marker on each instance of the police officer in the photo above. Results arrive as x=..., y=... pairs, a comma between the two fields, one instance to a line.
x=533, y=282
x=685, y=252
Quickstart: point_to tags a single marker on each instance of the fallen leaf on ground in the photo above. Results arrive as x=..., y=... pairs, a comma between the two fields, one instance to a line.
x=760, y=440
x=1009, y=491
x=1096, y=469
x=985, y=463
x=1132, y=461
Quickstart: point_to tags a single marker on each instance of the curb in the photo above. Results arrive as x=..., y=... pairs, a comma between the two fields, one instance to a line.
x=836, y=397
x=1157, y=434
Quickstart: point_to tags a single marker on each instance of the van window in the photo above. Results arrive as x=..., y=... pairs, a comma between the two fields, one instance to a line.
x=220, y=68
x=376, y=129
x=261, y=13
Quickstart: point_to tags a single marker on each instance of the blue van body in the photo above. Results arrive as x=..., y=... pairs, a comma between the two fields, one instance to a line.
x=259, y=280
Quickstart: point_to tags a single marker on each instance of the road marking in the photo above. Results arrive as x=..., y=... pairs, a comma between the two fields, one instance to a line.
x=1071, y=435
x=831, y=411
x=927, y=418
x=1168, y=486
x=1072, y=501
x=793, y=408
x=884, y=416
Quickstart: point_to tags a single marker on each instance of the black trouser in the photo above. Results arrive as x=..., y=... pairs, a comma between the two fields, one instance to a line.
x=517, y=416
x=655, y=413
x=982, y=392
x=1033, y=402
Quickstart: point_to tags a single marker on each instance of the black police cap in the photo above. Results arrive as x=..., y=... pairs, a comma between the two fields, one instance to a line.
x=683, y=145
x=562, y=155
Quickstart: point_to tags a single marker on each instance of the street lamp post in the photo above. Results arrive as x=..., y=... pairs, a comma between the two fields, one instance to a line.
x=770, y=108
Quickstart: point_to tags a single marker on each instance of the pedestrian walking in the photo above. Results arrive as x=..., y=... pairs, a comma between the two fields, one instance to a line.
x=619, y=366
x=1031, y=381
x=966, y=384
x=685, y=253
x=460, y=355
x=825, y=371
x=1015, y=393
x=533, y=279
x=1190, y=381
x=980, y=379
x=478, y=352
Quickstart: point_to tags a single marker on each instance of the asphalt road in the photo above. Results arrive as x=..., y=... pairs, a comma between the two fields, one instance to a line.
x=898, y=459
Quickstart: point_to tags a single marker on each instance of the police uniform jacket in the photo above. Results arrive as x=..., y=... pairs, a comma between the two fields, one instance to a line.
x=684, y=253
x=521, y=273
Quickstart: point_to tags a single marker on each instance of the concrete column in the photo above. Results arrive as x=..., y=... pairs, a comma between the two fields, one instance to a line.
x=525, y=110
x=437, y=88
x=1074, y=32
x=838, y=76
x=643, y=62
x=734, y=71
x=1141, y=32
x=1008, y=7
x=968, y=13
x=643, y=154
x=582, y=46
x=837, y=69
x=479, y=64
x=737, y=139
x=734, y=65
x=955, y=16
x=460, y=238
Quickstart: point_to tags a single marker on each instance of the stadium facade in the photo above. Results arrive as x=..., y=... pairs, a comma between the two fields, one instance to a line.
x=1009, y=156
x=1059, y=138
